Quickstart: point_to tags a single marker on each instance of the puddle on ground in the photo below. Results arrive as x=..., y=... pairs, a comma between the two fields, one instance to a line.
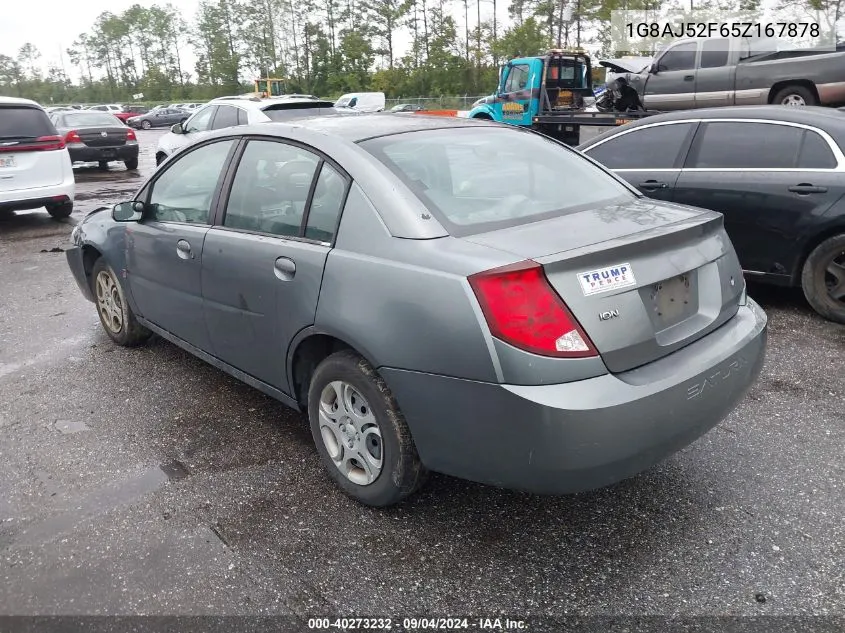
x=175, y=470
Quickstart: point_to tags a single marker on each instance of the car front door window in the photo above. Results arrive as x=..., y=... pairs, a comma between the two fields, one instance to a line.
x=201, y=121
x=227, y=116
x=270, y=189
x=655, y=147
x=681, y=57
x=185, y=191
x=517, y=78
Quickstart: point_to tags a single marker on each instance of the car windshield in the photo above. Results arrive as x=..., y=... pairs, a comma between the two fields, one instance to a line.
x=88, y=119
x=479, y=179
x=24, y=122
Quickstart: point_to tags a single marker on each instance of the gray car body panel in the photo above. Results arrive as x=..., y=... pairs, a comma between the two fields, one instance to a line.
x=394, y=287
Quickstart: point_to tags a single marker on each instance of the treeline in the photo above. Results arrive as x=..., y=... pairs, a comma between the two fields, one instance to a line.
x=323, y=47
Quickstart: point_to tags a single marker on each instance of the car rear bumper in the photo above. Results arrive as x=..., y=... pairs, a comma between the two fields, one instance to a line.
x=22, y=199
x=95, y=154
x=77, y=266
x=582, y=435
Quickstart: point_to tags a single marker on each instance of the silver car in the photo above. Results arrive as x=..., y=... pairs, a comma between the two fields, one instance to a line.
x=437, y=294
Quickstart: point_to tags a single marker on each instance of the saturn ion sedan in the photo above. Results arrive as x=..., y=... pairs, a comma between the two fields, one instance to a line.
x=437, y=295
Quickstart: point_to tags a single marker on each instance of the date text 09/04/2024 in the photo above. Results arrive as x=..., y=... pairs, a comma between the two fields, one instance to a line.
x=417, y=624
x=716, y=29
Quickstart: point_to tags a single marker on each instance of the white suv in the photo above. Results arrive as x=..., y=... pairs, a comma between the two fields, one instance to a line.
x=35, y=168
x=231, y=111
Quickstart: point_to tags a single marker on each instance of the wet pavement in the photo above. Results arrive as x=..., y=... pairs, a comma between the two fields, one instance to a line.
x=145, y=481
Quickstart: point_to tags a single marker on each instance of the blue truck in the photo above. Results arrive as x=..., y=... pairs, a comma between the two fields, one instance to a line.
x=548, y=93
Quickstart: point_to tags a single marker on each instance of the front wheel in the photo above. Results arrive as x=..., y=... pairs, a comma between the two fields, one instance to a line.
x=146, y=125
x=360, y=433
x=823, y=279
x=116, y=316
x=132, y=163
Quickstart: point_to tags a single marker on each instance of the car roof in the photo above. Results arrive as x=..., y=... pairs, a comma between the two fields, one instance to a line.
x=365, y=126
x=828, y=119
x=18, y=101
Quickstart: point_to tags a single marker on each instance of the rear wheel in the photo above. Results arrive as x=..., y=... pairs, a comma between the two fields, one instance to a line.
x=361, y=435
x=823, y=279
x=104, y=165
x=146, y=124
x=132, y=163
x=795, y=96
x=116, y=316
x=62, y=210
x=160, y=158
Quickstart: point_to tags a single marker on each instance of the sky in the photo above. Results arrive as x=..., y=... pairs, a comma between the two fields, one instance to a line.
x=53, y=25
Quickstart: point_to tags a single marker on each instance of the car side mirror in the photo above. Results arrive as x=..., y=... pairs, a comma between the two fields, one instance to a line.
x=177, y=128
x=128, y=211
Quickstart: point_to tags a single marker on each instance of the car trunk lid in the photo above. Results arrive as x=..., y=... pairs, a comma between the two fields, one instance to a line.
x=102, y=136
x=643, y=279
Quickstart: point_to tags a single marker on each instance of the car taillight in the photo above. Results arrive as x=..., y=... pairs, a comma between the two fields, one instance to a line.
x=522, y=309
x=72, y=137
x=40, y=144
x=130, y=135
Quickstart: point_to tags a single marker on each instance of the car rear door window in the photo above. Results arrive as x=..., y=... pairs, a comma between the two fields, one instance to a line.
x=815, y=152
x=655, y=147
x=746, y=145
x=326, y=205
x=271, y=188
x=185, y=190
x=227, y=116
x=242, y=117
x=681, y=57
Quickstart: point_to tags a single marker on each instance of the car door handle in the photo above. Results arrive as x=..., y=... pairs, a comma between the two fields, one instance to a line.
x=284, y=268
x=689, y=77
x=183, y=250
x=806, y=188
x=651, y=185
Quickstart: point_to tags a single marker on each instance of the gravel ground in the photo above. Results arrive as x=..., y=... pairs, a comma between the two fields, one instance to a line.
x=145, y=481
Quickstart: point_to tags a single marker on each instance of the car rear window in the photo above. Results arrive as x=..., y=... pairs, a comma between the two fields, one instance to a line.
x=88, y=119
x=24, y=122
x=287, y=111
x=479, y=179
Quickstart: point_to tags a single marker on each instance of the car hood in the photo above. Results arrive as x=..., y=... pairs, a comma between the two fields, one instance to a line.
x=621, y=66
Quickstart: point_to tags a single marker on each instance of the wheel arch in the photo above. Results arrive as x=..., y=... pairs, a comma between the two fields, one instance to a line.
x=805, y=83
x=308, y=349
x=811, y=245
x=90, y=254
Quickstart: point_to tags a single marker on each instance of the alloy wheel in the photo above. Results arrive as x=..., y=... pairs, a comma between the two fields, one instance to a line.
x=794, y=101
x=109, y=304
x=835, y=277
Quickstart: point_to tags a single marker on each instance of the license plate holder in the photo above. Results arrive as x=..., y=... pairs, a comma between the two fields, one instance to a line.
x=672, y=299
x=109, y=153
x=7, y=162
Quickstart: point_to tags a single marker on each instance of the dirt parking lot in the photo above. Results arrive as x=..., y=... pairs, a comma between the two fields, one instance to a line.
x=145, y=481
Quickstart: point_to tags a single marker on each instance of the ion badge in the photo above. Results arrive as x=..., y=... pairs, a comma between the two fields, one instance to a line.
x=605, y=279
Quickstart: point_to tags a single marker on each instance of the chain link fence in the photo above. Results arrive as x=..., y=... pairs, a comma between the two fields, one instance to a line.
x=436, y=103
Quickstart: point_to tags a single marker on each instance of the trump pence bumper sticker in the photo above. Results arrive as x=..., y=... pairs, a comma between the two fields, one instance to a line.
x=606, y=279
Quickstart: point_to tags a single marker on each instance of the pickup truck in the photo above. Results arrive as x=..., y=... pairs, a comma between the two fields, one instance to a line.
x=548, y=93
x=712, y=72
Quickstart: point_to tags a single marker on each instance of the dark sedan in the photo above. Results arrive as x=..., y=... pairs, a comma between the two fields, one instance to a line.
x=97, y=137
x=777, y=174
x=163, y=117
x=406, y=107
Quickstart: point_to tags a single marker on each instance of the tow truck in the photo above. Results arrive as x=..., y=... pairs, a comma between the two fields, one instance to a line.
x=549, y=93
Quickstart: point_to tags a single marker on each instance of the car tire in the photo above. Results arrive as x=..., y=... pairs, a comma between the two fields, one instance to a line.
x=146, y=125
x=132, y=163
x=824, y=271
x=794, y=95
x=103, y=165
x=160, y=158
x=116, y=316
x=60, y=211
x=369, y=419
